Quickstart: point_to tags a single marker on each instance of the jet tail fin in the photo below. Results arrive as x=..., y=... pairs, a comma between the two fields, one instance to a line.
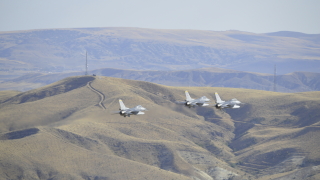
x=188, y=98
x=218, y=99
x=122, y=106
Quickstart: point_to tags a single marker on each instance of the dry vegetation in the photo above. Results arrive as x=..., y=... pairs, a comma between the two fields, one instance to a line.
x=59, y=132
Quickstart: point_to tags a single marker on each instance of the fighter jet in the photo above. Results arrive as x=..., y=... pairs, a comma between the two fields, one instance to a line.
x=233, y=103
x=124, y=111
x=194, y=102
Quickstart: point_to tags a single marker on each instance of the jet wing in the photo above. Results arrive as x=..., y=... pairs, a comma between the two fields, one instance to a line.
x=224, y=106
x=230, y=106
x=199, y=103
x=195, y=104
x=180, y=102
x=137, y=112
x=235, y=106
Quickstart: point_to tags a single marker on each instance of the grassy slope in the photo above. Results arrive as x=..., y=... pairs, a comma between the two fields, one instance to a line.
x=7, y=94
x=75, y=138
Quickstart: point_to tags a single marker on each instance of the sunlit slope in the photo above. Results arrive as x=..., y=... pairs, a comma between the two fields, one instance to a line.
x=46, y=105
x=56, y=154
x=7, y=94
x=59, y=131
x=163, y=140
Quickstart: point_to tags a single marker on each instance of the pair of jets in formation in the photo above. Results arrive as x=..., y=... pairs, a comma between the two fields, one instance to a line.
x=220, y=104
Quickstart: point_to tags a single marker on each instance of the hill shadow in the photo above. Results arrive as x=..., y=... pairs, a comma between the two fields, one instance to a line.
x=307, y=116
x=19, y=134
x=58, y=88
x=210, y=115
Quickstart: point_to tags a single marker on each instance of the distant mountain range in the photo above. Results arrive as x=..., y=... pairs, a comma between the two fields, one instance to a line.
x=206, y=77
x=61, y=50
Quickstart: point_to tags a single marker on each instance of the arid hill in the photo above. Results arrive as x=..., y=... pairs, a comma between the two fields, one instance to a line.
x=60, y=132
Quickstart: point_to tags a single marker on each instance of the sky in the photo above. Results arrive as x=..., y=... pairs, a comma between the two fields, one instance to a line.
x=257, y=16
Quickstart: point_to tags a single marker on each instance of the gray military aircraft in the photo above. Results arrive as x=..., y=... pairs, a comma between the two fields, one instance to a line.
x=194, y=102
x=124, y=111
x=233, y=103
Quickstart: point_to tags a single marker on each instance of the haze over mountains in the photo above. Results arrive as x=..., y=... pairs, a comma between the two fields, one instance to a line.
x=56, y=50
x=59, y=132
x=206, y=77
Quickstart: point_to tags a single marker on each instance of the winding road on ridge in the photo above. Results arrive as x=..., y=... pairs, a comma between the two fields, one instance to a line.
x=102, y=97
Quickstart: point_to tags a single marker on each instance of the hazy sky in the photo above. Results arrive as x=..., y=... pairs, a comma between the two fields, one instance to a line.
x=258, y=16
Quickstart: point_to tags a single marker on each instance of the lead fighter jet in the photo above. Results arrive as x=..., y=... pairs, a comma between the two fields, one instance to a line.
x=194, y=102
x=124, y=111
x=233, y=103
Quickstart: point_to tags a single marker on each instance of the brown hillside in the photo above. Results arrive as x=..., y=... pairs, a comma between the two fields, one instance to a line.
x=64, y=86
x=4, y=95
x=66, y=135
